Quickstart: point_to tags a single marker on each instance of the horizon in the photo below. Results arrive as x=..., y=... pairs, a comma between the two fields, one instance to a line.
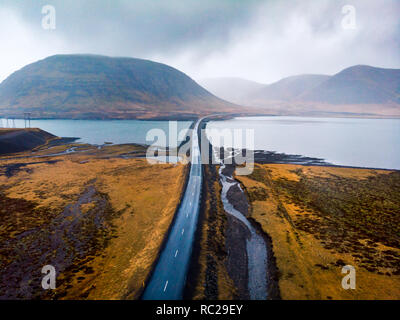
x=208, y=78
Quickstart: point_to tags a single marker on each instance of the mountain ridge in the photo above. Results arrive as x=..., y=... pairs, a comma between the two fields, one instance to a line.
x=94, y=86
x=289, y=88
x=359, y=84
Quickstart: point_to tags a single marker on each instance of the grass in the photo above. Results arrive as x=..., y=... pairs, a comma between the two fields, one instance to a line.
x=321, y=218
x=98, y=218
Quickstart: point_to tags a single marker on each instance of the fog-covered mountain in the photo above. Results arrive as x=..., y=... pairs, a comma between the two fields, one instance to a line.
x=231, y=89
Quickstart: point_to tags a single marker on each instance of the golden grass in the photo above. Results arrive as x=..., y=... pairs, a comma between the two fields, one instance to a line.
x=308, y=266
x=145, y=196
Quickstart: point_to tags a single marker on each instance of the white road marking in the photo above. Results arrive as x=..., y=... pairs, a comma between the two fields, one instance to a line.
x=165, y=287
x=176, y=253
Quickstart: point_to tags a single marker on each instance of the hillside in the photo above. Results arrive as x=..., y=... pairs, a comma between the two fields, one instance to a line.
x=99, y=87
x=354, y=85
x=17, y=140
x=234, y=90
x=356, y=91
x=357, y=85
x=288, y=88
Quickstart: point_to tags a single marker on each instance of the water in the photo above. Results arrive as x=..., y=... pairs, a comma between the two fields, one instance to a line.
x=255, y=245
x=100, y=131
x=373, y=143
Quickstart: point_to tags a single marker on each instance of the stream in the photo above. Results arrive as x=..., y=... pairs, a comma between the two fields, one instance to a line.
x=255, y=244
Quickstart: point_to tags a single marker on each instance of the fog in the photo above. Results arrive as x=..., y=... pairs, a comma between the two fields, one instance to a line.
x=257, y=40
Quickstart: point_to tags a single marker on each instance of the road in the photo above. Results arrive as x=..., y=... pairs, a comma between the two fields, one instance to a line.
x=169, y=276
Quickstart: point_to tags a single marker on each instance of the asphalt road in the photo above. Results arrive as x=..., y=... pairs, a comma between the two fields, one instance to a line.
x=169, y=276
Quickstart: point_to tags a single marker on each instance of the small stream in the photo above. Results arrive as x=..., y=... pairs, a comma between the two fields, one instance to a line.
x=256, y=247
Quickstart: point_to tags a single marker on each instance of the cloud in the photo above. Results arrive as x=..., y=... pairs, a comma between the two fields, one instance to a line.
x=302, y=37
x=21, y=45
x=254, y=39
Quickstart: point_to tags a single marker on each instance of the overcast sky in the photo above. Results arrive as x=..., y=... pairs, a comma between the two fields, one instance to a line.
x=260, y=40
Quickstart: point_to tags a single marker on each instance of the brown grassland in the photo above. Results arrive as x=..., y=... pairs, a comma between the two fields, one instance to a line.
x=321, y=218
x=97, y=217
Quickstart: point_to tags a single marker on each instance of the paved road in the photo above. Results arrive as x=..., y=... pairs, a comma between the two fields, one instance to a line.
x=169, y=276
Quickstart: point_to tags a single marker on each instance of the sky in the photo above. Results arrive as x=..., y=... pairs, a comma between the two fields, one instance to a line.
x=259, y=40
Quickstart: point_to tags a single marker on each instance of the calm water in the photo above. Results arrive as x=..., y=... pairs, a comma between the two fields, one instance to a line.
x=352, y=142
x=100, y=131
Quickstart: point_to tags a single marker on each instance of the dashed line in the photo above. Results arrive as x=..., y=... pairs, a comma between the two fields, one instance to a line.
x=166, y=284
x=176, y=253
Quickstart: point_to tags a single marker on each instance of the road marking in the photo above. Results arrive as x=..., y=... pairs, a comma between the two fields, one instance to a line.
x=165, y=287
x=183, y=230
x=176, y=253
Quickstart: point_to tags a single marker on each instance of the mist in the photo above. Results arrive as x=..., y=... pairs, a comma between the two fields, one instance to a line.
x=262, y=41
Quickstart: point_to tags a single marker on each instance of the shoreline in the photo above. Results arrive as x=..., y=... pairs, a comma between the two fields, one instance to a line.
x=285, y=158
x=229, y=116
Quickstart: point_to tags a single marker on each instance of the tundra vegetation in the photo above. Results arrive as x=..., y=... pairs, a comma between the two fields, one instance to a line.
x=98, y=216
x=322, y=218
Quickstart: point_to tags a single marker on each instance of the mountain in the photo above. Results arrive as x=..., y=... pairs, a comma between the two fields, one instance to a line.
x=99, y=87
x=231, y=89
x=355, y=85
x=289, y=88
x=358, y=85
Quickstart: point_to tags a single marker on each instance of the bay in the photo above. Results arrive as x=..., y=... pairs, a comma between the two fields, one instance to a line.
x=372, y=143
